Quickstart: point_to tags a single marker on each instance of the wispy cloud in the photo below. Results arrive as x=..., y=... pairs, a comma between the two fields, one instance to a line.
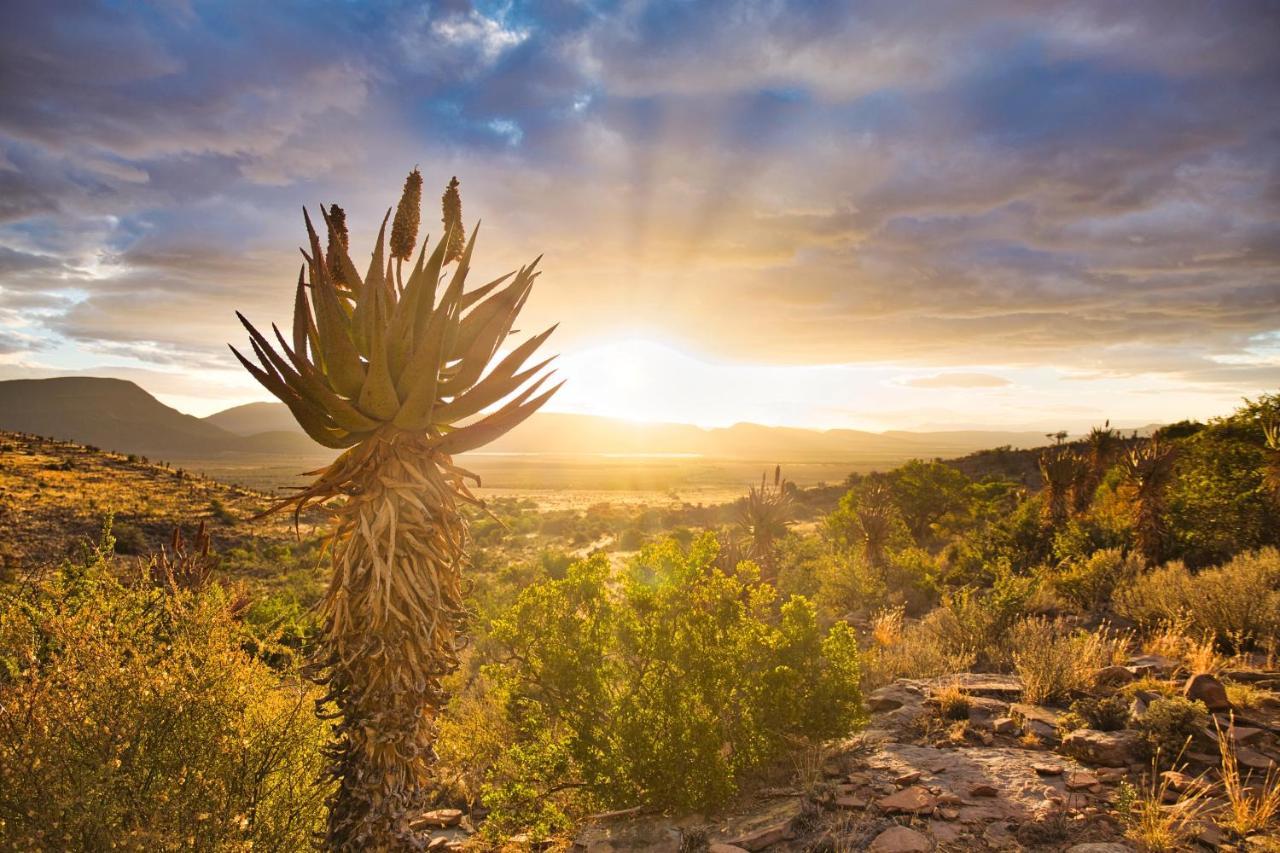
x=1093, y=189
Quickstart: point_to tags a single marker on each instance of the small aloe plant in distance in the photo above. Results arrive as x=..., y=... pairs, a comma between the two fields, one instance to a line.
x=397, y=371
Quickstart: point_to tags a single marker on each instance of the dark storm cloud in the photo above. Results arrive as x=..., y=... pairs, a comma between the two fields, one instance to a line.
x=1093, y=186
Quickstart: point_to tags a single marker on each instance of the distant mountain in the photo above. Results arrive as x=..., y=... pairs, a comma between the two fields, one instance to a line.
x=255, y=418
x=113, y=414
x=552, y=433
x=118, y=415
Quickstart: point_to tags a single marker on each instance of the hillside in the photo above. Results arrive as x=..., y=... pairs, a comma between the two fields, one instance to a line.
x=55, y=494
x=109, y=413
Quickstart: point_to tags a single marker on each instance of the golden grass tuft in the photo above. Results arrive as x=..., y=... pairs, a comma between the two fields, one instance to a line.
x=1156, y=817
x=1053, y=659
x=1253, y=806
x=952, y=702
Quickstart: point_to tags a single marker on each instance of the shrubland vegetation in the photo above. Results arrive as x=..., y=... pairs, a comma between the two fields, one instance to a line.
x=622, y=656
x=132, y=717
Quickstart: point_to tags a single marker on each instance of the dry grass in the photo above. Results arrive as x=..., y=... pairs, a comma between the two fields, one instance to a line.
x=1157, y=818
x=809, y=776
x=921, y=649
x=952, y=702
x=886, y=627
x=1236, y=604
x=1249, y=696
x=1054, y=659
x=1180, y=640
x=1253, y=806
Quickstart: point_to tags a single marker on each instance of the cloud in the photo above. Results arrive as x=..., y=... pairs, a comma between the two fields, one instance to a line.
x=958, y=380
x=1095, y=188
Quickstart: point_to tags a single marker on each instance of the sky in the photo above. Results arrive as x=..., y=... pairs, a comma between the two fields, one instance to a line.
x=874, y=215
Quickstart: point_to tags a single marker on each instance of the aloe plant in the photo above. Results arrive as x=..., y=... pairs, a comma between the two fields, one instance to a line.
x=1148, y=469
x=397, y=372
x=763, y=519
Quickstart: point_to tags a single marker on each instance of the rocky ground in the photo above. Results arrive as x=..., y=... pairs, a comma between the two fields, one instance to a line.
x=1003, y=777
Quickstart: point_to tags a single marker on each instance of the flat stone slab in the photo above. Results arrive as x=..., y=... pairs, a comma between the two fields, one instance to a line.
x=982, y=683
x=954, y=773
x=912, y=800
x=766, y=824
x=900, y=839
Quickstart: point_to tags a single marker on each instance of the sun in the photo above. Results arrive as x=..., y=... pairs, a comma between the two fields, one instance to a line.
x=628, y=379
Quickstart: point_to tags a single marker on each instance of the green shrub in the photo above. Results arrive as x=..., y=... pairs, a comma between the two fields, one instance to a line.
x=631, y=539
x=129, y=539
x=1237, y=604
x=1089, y=582
x=130, y=718
x=661, y=687
x=1104, y=714
x=1168, y=726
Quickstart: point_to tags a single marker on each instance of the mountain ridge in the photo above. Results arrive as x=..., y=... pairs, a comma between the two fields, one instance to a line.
x=119, y=415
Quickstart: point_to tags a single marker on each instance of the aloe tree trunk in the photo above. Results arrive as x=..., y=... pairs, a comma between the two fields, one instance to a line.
x=391, y=616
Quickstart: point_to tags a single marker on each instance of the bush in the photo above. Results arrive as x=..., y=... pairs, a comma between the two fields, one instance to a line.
x=1089, y=582
x=924, y=649
x=131, y=718
x=1104, y=714
x=129, y=539
x=1168, y=726
x=662, y=688
x=1237, y=604
x=1053, y=660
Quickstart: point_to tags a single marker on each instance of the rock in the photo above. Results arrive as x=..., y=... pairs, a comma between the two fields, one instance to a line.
x=893, y=696
x=1113, y=676
x=900, y=839
x=948, y=813
x=849, y=802
x=1100, y=847
x=1047, y=769
x=913, y=800
x=907, y=778
x=1141, y=665
x=1040, y=721
x=726, y=848
x=1081, y=780
x=944, y=833
x=440, y=818
x=763, y=837
x=999, y=836
x=1110, y=749
x=1005, y=726
x=1253, y=760
x=983, y=789
x=1206, y=688
x=1238, y=735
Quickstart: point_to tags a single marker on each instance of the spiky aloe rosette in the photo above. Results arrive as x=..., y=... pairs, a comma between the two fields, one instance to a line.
x=397, y=371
